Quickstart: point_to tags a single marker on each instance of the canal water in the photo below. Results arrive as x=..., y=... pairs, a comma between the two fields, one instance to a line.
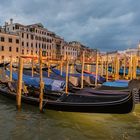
x=29, y=124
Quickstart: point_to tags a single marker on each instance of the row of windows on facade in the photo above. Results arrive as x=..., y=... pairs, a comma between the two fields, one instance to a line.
x=10, y=49
x=71, y=53
x=32, y=30
x=69, y=48
x=2, y=57
x=37, y=38
x=40, y=32
x=10, y=40
x=37, y=52
x=44, y=46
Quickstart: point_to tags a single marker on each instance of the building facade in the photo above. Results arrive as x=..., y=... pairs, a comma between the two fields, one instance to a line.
x=138, y=53
x=9, y=46
x=33, y=37
x=80, y=48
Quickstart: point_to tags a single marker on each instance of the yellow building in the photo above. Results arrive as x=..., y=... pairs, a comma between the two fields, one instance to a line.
x=9, y=46
x=33, y=37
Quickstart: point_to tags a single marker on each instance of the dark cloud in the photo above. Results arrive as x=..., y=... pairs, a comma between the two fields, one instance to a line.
x=103, y=24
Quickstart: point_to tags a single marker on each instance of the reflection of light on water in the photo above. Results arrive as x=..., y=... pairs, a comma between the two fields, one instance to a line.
x=136, y=112
x=93, y=125
x=125, y=136
x=30, y=124
x=105, y=126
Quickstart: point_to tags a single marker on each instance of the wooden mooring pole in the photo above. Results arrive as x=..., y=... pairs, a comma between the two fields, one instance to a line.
x=11, y=68
x=41, y=83
x=130, y=68
x=19, y=85
x=107, y=68
x=48, y=69
x=82, y=72
x=124, y=66
x=32, y=67
x=112, y=66
x=102, y=66
x=134, y=67
x=61, y=67
x=117, y=67
x=96, y=78
x=67, y=75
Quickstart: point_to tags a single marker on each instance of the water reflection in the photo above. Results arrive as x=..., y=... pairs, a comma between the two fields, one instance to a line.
x=30, y=124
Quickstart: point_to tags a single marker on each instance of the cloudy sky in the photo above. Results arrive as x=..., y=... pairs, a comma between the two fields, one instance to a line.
x=104, y=24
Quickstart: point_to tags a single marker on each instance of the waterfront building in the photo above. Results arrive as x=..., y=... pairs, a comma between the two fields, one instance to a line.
x=138, y=53
x=131, y=51
x=58, y=46
x=89, y=53
x=32, y=38
x=35, y=36
x=70, y=51
x=9, y=46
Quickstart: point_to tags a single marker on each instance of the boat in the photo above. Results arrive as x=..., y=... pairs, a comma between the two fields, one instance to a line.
x=25, y=67
x=45, y=68
x=121, y=71
x=135, y=83
x=92, y=104
x=5, y=91
x=120, y=104
x=115, y=85
x=49, y=84
x=29, y=67
x=4, y=64
x=88, y=80
x=100, y=79
x=79, y=69
x=54, y=82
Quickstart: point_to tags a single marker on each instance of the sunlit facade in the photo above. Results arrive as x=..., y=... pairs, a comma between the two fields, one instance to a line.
x=9, y=46
x=32, y=38
x=35, y=36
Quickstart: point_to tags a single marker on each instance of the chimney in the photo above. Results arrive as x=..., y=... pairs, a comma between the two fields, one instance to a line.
x=11, y=21
x=6, y=23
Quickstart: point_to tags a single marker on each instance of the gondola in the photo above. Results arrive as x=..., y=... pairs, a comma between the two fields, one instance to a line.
x=100, y=78
x=88, y=80
x=120, y=104
x=92, y=104
x=121, y=71
x=58, y=85
x=29, y=67
x=45, y=68
x=114, y=85
x=4, y=64
x=53, y=82
x=79, y=69
x=134, y=85
x=25, y=67
x=49, y=84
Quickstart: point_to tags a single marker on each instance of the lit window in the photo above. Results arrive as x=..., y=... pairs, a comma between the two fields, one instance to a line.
x=17, y=41
x=10, y=49
x=10, y=40
x=2, y=39
x=2, y=48
x=16, y=49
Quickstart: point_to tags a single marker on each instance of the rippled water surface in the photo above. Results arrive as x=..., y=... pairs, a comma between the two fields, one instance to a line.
x=29, y=124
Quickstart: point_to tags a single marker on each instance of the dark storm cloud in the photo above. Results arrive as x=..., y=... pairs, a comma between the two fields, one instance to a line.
x=103, y=24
